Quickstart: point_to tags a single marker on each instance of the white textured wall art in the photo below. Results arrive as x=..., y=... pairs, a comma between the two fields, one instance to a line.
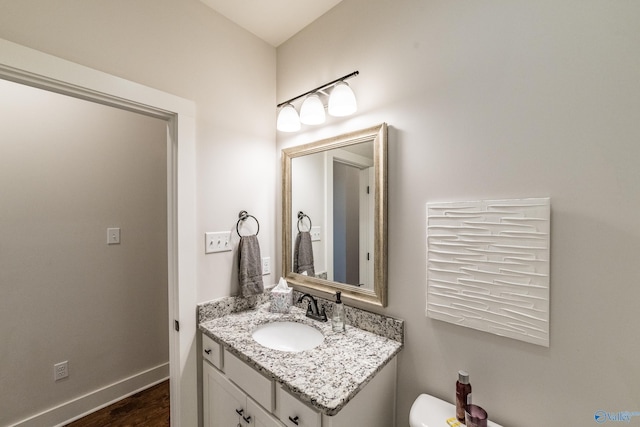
x=488, y=266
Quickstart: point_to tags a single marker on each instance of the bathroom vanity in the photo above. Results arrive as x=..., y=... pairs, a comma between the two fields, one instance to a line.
x=348, y=379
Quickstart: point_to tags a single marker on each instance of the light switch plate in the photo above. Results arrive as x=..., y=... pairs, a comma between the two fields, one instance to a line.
x=113, y=236
x=217, y=242
x=316, y=233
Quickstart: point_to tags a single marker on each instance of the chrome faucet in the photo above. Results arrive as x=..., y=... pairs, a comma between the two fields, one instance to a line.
x=312, y=308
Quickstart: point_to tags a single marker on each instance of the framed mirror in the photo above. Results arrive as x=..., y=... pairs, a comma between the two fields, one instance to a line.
x=334, y=216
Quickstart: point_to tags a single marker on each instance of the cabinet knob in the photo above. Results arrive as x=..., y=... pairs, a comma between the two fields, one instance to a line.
x=294, y=420
x=239, y=411
x=247, y=419
x=208, y=351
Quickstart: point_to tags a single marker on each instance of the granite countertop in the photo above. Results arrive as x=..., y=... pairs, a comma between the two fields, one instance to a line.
x=326, y=377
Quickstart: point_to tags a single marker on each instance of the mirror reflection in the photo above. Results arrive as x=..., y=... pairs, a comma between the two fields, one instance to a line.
x=332, y=213
x=334, y=209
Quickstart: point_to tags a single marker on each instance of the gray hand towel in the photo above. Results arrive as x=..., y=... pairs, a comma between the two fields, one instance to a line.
x=303, y=254
x=250, y=266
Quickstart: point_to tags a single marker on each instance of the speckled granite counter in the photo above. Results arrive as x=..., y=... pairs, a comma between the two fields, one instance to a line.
x=326, y=377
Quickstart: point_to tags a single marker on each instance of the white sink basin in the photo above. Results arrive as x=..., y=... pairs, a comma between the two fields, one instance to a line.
x=288, y=336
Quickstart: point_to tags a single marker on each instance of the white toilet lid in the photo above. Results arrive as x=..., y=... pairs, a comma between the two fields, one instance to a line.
x=429, y=411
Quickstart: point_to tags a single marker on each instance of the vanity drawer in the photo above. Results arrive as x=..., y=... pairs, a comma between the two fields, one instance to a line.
x=211, y=351
x=256, y=385
x=294, y=413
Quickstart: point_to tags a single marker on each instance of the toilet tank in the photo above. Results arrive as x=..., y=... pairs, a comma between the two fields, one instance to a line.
x=429, y=411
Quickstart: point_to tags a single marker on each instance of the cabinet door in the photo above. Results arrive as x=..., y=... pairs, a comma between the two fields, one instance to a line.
x=260, y=417
x=224, y=403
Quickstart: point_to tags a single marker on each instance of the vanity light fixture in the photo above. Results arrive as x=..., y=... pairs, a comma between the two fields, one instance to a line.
x=342, y=102
x=312, y=110
x=288, y=120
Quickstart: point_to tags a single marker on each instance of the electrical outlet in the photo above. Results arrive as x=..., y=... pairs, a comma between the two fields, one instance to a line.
x=60, y=370
x=217, y=242
x=266, y=265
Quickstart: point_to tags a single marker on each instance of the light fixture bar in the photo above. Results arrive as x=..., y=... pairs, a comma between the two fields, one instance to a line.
x=324, y=86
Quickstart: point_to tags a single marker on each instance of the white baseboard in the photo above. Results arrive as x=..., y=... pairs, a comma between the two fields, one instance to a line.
x=79, y=407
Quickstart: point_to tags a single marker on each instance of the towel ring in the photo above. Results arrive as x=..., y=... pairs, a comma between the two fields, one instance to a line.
x=243, y=215
x=301, y=216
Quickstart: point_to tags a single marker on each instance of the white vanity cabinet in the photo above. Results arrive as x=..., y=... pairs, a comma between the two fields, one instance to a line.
x=237, y=395
x=225, y=404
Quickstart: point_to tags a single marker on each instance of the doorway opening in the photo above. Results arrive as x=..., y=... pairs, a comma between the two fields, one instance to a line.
x=72, y=173
x=36, y=69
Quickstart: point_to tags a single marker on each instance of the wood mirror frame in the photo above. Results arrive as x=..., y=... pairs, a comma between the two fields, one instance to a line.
x=378, y=135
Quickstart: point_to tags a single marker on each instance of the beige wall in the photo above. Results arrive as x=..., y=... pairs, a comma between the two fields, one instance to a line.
x=69, y=169
x=494, y=99
x=186, y=49
x=485, y=99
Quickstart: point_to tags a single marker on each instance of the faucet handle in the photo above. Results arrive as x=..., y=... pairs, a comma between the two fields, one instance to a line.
x=303, y=296
x=322, y=314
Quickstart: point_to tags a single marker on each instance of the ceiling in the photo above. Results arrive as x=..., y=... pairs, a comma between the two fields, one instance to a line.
x=274, y=21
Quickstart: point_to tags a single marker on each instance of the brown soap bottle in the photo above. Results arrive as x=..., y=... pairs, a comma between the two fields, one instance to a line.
x=463, y=395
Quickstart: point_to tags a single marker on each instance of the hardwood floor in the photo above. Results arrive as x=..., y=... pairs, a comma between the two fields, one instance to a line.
x=148, y=408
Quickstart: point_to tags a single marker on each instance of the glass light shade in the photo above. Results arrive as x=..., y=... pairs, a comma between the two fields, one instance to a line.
x=312, y=110
x=342, y=100
x=288, y=120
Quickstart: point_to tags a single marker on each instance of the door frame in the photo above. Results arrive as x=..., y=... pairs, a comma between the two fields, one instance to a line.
x=34, y=68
